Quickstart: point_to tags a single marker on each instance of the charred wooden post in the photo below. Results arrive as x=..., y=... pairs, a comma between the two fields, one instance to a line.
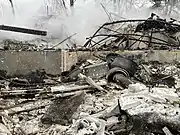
x=23, y=30
x=71, y=3
x=92, y=83
x=12, y=5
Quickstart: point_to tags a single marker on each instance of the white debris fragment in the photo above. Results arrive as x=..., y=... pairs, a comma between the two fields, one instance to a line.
x=87, y=125
x=32, y=126
x=166, y=93
x=131, y=105
x=170, y=70
x=138, y=99
x=166, y=131
x=136, y=87
x=112, y=120
x=57, y=88
x=4, y=130
x=57, y=129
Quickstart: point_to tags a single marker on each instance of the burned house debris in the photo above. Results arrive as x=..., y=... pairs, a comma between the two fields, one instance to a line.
x=118, y=88
x=153, y=33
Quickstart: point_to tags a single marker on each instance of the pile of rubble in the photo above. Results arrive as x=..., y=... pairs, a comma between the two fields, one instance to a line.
x=154, y=33
x=110, y=94
x=120, y=96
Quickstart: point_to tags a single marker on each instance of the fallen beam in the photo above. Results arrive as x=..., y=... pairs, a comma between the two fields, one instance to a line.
x=23, y=30
x=61, y=90
x=92, y=83
x=71, y=88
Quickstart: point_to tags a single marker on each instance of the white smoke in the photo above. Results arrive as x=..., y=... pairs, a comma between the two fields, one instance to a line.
x=83, y=19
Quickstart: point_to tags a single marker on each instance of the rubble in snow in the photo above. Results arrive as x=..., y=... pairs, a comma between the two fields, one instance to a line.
x=110, y=94
x=153, y=33
x=109, y=104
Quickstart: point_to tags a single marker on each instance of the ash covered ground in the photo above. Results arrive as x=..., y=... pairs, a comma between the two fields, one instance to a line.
x=108, y=92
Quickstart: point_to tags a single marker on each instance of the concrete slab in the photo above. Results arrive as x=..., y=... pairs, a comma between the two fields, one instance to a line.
x=25, y=61
x=54, y=62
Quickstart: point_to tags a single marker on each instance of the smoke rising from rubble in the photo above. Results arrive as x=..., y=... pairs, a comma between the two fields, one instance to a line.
x=83, y=19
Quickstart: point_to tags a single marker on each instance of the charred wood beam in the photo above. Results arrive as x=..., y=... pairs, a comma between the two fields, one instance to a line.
x=29, y=110
x=23, y=103
x=23, y=30
x=71, y=3
x=76, y=88
x=53, y=92
x=92, y=83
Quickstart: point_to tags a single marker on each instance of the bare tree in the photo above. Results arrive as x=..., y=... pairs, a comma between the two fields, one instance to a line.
x=56, y=6
x=12, y=5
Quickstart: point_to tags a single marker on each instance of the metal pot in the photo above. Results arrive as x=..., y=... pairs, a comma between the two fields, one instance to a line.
x=116, y=60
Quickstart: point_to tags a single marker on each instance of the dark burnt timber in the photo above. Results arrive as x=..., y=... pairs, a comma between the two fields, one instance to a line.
x=23, y=30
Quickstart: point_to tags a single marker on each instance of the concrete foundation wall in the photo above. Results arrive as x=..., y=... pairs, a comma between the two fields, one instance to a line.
x=23, y=62
x=54, y=62
x=163, y=56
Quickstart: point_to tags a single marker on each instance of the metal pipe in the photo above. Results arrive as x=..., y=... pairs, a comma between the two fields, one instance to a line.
x=23, y=30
